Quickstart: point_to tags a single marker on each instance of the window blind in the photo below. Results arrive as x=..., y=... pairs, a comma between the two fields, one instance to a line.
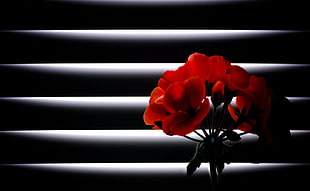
x=76, y=76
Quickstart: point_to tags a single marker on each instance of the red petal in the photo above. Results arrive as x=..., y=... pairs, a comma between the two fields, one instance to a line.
x=176, y=97
x=156, y=93
x=177, y=124
x=262, y=94
x=171, y=76
x=217, y=69
x=155, y=112
x=184, y=72
x=244, y=102
x=202, y=112
x=163, y=84
x=196, y=91
x=198, y=65
x=218, y=88
x=239, y=76
x=181, y=74
x=182, y=123
x=218, y=93
x=245, y=127
x=257, y=84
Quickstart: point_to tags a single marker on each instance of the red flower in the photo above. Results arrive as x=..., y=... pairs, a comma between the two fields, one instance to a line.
x=254, y=104
x=236, y=80
x=180, y=108
x=179, y=104
x=209, y=69
x=156, y=111
x=218, y=93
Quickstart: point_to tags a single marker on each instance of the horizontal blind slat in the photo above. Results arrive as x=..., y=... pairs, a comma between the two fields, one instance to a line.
x=245, y=14
x=26, y=113
x=101, y=146
x=29, y=48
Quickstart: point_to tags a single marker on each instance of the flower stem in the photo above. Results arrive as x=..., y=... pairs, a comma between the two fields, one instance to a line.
x=222, y=120
x=204, y=130
x=200, y=135
x=214, y=175
x=213, y=122
x=214, y=163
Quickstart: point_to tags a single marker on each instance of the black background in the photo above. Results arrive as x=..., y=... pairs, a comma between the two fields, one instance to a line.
x=21, y=48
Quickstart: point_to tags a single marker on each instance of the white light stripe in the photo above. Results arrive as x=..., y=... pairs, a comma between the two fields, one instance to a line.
x=109, y=102
x=270, y=67
x=154, y=34
x=154, y=2
x=101, y=136
x=99, y=68
x=113, y=102
x=121, y=136
x=298, y=99
x=138, y=68
x=149, y=168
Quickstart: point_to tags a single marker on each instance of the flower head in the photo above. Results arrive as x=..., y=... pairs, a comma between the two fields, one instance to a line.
x=179, y=104
x=253, y=104
x=180, y=108
x=210, y=69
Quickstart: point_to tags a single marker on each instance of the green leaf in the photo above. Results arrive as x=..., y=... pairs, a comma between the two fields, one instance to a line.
x=193, y=164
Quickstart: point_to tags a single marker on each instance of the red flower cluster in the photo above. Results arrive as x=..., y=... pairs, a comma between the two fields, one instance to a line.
x=254, y=104
x=178, y=108
x=179, y=104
